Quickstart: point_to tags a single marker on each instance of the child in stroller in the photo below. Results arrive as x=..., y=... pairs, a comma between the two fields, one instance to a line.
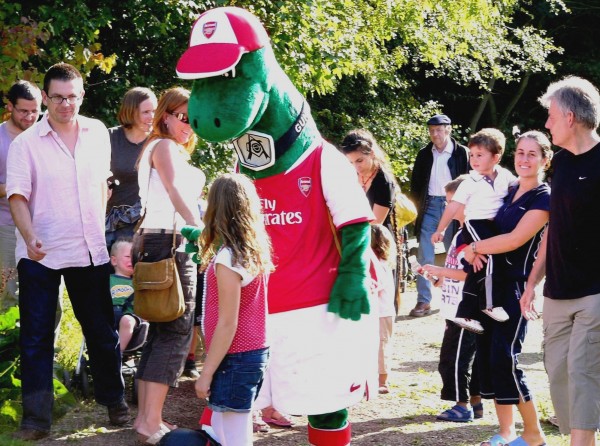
x=121, y=290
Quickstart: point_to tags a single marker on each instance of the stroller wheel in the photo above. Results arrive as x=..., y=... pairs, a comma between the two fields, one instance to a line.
x=134, y=391
x=85, y=382
x=66, y=379
x=81, y=379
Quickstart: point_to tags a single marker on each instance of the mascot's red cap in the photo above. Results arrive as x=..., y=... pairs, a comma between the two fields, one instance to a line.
x=219, y=39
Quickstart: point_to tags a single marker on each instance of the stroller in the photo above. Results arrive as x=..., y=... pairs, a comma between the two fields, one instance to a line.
x=402, y=274
x=80, y=380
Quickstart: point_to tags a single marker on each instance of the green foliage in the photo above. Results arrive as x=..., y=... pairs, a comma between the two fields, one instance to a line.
x=213, y=159
x=359, y=62
x=394, y=117
x=33, y=37
x=10, y=384
x=9, y=349
x=69, y=338
x=391, y=46
x=20, y=40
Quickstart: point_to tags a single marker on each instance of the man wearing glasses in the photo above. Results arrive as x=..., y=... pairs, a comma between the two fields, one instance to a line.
x=56, y=187
x=24, y=102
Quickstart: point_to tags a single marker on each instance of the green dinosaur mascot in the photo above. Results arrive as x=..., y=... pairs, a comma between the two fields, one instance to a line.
x=323, y=337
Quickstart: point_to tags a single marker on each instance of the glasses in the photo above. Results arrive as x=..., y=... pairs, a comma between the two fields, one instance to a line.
x=26, y=112
x=182, y=117
x=69, y=100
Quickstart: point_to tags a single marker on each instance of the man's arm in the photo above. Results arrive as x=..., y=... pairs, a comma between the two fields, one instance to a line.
x=416, y=182
x=21, y=215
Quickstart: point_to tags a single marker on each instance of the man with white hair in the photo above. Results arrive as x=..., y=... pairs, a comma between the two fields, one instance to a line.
x=567, y=257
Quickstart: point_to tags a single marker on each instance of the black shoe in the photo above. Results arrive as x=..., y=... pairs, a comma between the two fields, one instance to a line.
x=119, y=413
x=30, y=434
x=190, y=369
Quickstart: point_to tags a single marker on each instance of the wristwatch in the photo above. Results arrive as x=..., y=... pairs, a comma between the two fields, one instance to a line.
x=474, y=248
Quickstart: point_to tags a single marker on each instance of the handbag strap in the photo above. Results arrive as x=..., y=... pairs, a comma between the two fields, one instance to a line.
x=173, y=247
x=140, y=221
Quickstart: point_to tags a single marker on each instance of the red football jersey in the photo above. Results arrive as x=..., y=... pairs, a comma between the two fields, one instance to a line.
x=302, y=208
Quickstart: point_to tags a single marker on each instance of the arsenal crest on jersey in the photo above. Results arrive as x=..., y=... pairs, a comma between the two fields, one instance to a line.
x=305, y=185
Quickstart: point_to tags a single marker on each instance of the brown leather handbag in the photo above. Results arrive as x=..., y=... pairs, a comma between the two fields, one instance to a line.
x=158, y=296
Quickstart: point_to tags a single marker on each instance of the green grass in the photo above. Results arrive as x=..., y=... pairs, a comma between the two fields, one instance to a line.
x=70, y=337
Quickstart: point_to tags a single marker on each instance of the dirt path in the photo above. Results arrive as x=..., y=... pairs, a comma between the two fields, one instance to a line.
x=404, y=417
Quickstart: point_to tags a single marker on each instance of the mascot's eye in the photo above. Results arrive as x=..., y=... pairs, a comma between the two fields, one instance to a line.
x=230, y=74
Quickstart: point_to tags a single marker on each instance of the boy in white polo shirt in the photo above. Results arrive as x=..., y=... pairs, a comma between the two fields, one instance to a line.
x=480, y=195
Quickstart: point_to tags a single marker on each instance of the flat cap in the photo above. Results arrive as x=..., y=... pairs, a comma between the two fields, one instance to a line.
x=439, y=120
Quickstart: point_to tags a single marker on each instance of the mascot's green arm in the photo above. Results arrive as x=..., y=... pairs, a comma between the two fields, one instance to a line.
x=350, y=293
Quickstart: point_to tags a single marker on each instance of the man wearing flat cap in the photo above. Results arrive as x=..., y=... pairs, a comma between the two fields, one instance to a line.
x=439, y=162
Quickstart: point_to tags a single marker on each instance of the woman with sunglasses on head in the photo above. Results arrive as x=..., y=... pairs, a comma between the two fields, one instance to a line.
x=169, y=190
x=135, y=118
x=374, y=174
x=379, y=184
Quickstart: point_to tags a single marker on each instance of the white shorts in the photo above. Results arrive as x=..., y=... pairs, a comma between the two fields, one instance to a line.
x=319, y=362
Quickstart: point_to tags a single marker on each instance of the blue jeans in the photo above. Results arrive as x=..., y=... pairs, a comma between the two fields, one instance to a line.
x=89, y=292
x=434, y=208
x=237, y=381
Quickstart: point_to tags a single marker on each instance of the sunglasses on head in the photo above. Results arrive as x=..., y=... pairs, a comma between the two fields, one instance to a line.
x=183, y=117
x=356, y=144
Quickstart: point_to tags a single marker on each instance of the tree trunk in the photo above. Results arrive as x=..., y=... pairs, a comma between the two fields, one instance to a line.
x=493, y=111
x=515, y=99
x=482, y=105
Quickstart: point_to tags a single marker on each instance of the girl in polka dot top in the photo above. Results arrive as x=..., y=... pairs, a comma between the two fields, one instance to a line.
x=237, y=250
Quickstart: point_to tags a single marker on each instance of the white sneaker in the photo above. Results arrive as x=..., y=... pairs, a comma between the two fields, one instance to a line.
x=469, y=324
x=497, y=313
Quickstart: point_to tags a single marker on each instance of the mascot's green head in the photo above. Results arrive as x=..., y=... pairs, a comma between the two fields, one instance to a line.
x=240, y=92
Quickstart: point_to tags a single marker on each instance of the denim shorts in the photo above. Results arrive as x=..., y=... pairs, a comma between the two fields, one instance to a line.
x=237, y=381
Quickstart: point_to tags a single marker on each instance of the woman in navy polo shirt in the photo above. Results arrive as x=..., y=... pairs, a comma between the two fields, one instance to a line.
x=520, y=222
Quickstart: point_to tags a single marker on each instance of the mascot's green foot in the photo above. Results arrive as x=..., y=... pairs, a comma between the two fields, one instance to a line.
x=330, y=429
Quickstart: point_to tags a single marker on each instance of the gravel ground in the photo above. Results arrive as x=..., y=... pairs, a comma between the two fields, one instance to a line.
x=406, y=416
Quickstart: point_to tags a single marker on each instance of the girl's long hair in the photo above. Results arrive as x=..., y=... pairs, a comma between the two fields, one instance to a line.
x=383, y=245
x=234, y=220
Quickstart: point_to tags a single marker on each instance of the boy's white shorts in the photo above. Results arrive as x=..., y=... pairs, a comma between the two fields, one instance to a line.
x=319, y=363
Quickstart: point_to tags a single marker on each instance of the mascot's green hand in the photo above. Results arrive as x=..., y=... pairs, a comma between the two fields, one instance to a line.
x=192, y=233
x=349, y=296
